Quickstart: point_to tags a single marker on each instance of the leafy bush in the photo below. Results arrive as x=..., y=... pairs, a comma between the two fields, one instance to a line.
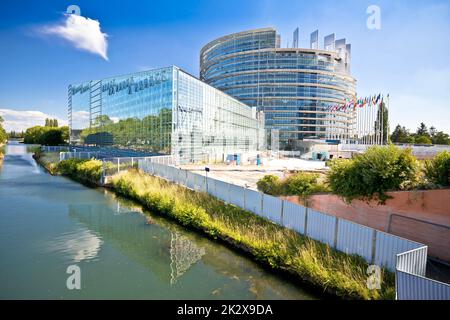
x=269, y=184
x=302, y=184
x=299, y=184
x=437, y=170
x=373, y=173
x=81, y=168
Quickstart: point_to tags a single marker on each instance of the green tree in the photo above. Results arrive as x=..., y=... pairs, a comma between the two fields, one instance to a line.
x=3, y=135
x=401, y=135
x=437, y=170
x=52, y=137
x=382, y=122
x=46, y=135
x=439, y=137
x=422, y=130
x=422, y=139
x=373, y=173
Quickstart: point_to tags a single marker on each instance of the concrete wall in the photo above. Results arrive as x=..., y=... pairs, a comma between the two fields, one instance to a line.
x=422, y=216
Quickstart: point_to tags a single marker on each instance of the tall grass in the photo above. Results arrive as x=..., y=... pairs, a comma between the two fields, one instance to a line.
x=269, y=243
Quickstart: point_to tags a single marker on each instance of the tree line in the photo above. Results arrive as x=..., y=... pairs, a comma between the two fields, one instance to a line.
x=3, y=135
x=423, y=135
x=49, y=134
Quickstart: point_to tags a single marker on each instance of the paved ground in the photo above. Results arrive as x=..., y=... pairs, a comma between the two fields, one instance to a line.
x=248, y=175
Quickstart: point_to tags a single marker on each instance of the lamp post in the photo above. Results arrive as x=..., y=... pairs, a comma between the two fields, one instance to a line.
x=206, y=170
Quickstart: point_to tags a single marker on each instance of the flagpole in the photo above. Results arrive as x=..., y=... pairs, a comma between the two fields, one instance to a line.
x=382, y=123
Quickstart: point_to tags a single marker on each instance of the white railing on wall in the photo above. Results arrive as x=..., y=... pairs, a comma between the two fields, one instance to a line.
x=404, y=257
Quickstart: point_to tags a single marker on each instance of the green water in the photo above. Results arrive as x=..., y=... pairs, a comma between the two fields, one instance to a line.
x=49, y=223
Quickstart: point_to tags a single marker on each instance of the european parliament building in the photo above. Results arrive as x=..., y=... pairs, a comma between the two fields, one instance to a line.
x=296, y=88
x=163, y=111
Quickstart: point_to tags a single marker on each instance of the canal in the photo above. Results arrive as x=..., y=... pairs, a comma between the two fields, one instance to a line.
x=49, y=223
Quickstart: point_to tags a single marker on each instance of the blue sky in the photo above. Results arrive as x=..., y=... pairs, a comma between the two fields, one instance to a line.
x=407, y=58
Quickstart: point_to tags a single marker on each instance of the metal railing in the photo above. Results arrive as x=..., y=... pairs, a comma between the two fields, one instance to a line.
x=410, y=278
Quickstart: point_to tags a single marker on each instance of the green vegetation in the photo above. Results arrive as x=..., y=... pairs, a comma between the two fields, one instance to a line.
x=84, y=170
x=267, y=242
x=51, y=123
x=81, y=169
x=437, y=170
x=373, y=173
x=422, y=136
x=48, y=160
x=302, y=184
x=50, y=136
x=3, y=135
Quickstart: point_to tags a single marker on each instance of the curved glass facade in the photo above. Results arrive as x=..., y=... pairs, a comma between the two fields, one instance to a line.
x=294, y=87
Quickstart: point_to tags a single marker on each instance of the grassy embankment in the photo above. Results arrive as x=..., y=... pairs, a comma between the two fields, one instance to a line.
x=272, y=245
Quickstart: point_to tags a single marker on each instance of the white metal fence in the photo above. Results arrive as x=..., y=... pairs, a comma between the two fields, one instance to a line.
x=410, y=278
x=406, y=258
x=77, y=155
x=54, y=148
x=112, y=166
x=375, y=246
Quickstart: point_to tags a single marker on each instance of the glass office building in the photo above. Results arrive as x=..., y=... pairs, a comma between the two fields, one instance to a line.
x=296, y=88
x=163, y=111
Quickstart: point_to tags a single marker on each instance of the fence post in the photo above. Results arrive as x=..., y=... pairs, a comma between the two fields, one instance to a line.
x=118, y=165
x=336, y=231
x=282, y=212
x=306, y=221
x=132, y=162
x=374, y=245
x=262, y=205
x=245, y=202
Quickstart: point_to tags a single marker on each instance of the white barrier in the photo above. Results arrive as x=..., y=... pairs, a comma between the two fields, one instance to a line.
x=407, y=258
x=321, y=227
x=353, y=238
x=253, y=201
x=294, y=217
x=387, y=248
x=237, y=196
x=272, y=207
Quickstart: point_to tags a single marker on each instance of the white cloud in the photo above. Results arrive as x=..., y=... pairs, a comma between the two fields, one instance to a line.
x=21, y=120
x=83, y=33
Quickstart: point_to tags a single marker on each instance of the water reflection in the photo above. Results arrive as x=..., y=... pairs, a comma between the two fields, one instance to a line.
x=78, y=245
x=48, y=223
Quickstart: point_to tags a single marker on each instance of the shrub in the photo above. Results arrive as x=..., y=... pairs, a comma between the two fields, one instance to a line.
x=437, y=170
x=269, y=184
x=81, y=168
x=372, y=174
x=302, y=184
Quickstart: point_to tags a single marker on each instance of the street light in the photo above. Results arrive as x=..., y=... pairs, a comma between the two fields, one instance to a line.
x=206, y=170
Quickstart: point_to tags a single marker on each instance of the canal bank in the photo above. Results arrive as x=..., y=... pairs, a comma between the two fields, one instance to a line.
x=282, y=249
x=50, y=222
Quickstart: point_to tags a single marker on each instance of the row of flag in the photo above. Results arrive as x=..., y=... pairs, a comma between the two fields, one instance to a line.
x=372, y=101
